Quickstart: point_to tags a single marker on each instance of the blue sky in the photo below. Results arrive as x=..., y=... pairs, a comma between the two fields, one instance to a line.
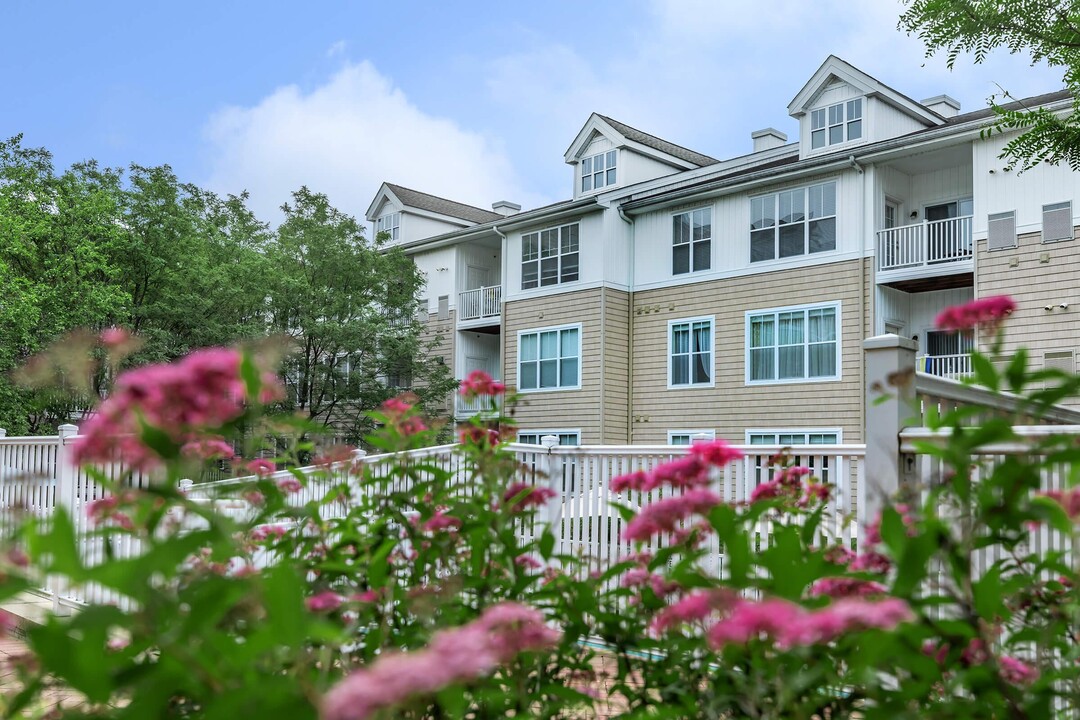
x=474, y=101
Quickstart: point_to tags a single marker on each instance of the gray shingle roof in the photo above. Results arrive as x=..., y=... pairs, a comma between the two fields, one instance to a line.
x=656, y=143
x=442, y=206
x=1029, y=102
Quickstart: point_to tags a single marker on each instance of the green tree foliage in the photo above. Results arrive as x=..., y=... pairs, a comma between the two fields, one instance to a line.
x=349, y=306
x=1046, y=30
x=183, y=268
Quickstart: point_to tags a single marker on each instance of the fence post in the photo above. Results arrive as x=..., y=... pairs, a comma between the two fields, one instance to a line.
x=3, y=432
x=550, y=468
x=891, y=405
x=64, y=489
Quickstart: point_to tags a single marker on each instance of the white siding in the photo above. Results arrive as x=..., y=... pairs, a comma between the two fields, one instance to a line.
x=478, y=345
x=884, y=121
x=916, y=312
x=939, y=186
x=418, y=227
x=1001, y=191
x=482, y=257
x=636, y=168
x=590, y=259
x=438, y=282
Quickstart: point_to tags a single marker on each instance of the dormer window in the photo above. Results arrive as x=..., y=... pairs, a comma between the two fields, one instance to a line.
x=836, y=124
x=598, y=171
x=390, y=223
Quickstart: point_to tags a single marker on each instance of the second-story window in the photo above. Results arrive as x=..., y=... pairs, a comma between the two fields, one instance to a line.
x=598, y=171
x=691, y=238
x=549, y=257
x=793, y=222
x=836, y=124
x=390, y=223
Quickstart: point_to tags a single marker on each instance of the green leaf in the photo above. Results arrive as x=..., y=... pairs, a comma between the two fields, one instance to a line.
x=249, y=373
x=984, y=372
x=283, y=595
x=989, y=603
x=379, y=567
x=547, y=543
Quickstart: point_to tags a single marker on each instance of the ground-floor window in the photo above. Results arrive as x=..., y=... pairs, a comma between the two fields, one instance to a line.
x=789, y=438
x=686, y=437
x=566, y=437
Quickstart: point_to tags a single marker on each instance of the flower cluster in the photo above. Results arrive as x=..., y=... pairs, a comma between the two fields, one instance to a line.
x=695, y=607
x=1069, y=500
x=839, y=587
x=479, y=383
x=530, y=496
x=441, y=521
x=985, y=312
x=789, y=625
x=693, y=470
x=401, y=415
x=202, y=391
x=665, y=515
x=462, y=654
x=788, y=484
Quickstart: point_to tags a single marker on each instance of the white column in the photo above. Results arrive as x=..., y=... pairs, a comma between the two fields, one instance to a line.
x=891, y=405
x=64, y=489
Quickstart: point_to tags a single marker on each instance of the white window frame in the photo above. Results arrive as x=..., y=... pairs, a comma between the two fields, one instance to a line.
x=608, y=163
x=389, y=223
x=691, y=244
x=560, y=255
x=712, y=352
x=558, y=359
x=850, y=112
x=541, y=433
x=805, y=222
x=835, y=305
x=750, y=432
x=690, y=434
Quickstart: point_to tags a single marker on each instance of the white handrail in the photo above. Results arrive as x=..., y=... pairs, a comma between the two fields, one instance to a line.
x=926, y=243
x=949, y=366
x=480, y=303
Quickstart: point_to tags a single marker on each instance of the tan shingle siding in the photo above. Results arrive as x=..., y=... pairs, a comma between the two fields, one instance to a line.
x=443, y=332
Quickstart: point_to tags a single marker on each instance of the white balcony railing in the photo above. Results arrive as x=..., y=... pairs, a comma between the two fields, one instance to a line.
x=953, y=367
x=467, y=407
x=926, y=243
x=480, y=303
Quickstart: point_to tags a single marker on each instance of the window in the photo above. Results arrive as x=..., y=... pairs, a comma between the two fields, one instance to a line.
x=793, y=344
x=566, y=437
x=549, y=359
x=781, y=225
x=836, y=124
x=390, y=224
x=691, y=237
x=820, y=466
x=598, y=170
x=690, y=352
x=687, y=437
x=549, y=257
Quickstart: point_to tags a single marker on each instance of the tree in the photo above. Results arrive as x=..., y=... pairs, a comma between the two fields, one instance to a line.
x=349, y=307
x=1047, y=30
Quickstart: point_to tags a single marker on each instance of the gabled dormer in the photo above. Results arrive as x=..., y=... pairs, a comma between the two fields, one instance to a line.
x=607, y=154
x=408, y=215
x=842, y=107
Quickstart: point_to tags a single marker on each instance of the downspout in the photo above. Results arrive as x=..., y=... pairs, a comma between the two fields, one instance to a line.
x=862, y=290
x=502, y=303
x=630, y=333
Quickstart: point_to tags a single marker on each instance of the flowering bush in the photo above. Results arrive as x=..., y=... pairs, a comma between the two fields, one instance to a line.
x=421, y=588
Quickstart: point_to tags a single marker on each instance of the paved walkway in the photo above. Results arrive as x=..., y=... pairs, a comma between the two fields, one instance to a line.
x=30, y=609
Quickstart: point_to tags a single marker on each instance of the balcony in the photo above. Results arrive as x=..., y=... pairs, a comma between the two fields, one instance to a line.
x=926, y=249
x=480, y=306
x=954, y=367
x=465, y=408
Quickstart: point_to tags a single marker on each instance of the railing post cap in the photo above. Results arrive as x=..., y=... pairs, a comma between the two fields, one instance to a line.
x=185, y=484
x=3, y=432
x=550, y=441
x=884, y=342
x=358, y=454
x=67, y=430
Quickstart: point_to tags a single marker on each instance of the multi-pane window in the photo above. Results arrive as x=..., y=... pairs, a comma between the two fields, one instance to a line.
x=549, y=359
x=691, y=237
x=390, y=223
x=793, y=344
x=688, y=437
x=549, y=257
x=598, y=170
x=836, y=124
x=566, y=437
x=793, y=222
x=820, y=466
x=690, y=352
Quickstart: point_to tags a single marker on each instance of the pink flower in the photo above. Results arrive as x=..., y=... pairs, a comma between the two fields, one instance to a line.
x=1069, y=500
x=212, y=448
x=117, y=644
x=480, y=383
x=261, y=467
x=695, y=607
x=636, y=480
x=395, y=407
x=686, y=472
x=528, y=562
x=99, y=510
x=748, y=621
x=368, y=596
x=873, y=562
x=479, y=435
x=411, y=426
x=839, y=555
x=1016, y=671
x=114, y=337
x=461, y=654
x=768, y=491
x=635, y=577
x=326, y=601
x=290, y=485
x=268, y=532
x=715, y=452
x=254, y=497
x=664, y=515
x=987, y=312
x=535, y=497
x=839, y=587
x=441, y=521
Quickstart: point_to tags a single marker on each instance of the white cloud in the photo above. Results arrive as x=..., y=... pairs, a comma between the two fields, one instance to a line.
x=344, y=138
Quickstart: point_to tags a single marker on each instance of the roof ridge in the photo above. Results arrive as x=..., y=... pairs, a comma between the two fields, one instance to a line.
x=612, y=121
x=437, y=197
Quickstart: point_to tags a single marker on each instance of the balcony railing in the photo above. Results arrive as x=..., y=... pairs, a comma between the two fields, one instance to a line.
x=480, y=304
x=467, y=407
x=926, y=243
x=953, y=367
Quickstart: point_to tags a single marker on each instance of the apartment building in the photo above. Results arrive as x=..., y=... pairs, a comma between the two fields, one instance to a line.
x=675, y=294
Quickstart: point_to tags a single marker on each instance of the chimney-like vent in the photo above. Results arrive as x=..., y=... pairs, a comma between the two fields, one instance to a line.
x=943, y=105
x=505, y=208
x=768, y=139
